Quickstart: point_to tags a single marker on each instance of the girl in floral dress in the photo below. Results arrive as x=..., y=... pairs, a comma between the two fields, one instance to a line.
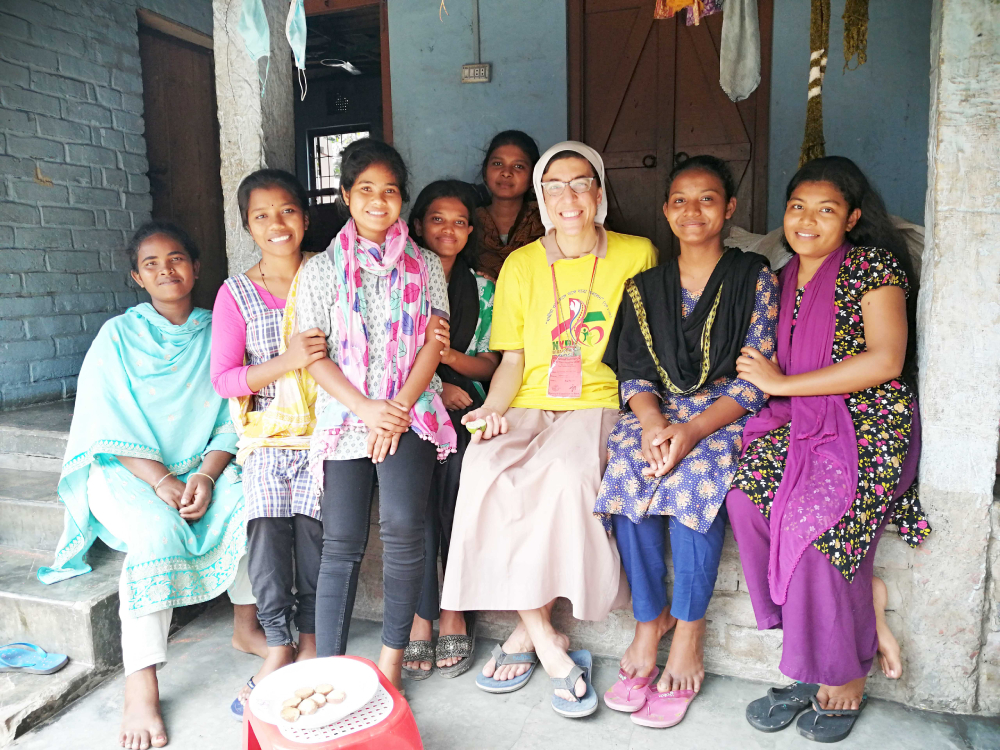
x=672, y=456
x=833, y=457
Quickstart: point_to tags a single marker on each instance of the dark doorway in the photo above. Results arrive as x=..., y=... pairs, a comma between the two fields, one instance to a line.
x=182, y=143
x=346, y=99
x=642, y=90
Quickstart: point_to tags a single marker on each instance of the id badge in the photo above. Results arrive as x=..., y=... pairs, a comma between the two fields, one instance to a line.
x=566, y=374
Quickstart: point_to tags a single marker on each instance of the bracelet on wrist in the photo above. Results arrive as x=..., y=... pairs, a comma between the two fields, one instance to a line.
x=157, y=485
x=203, y=474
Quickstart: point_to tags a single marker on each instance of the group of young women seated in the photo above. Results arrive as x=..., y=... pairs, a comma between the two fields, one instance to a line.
x=541, y=404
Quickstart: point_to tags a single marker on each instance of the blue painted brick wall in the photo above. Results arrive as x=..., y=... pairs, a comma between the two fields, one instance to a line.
x=73, y=181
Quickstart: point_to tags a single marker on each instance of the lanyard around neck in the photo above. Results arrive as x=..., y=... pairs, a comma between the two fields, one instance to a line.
x=586, y=305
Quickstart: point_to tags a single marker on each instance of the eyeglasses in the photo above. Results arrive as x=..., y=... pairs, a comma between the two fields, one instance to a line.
x=555, y=188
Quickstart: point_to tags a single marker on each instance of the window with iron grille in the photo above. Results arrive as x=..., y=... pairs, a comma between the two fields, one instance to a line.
x=325, y=147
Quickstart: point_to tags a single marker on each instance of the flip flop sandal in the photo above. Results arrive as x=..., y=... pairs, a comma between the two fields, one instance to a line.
x=462, y=646
x=822, y=725
x=629, y=694
x=502, y=658
x=30, y=659
x=418, y=651
x=583, y=664
x=662, y=710
x=236, y=707
x=780, y=706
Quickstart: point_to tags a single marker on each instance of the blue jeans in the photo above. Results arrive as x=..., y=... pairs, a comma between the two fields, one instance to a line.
x=696, y=564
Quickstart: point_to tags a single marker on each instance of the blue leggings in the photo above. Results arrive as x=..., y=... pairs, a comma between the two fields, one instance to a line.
x=696, y=564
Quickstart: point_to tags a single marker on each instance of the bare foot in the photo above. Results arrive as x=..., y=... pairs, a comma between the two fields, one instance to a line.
x=685, y=667
x=640, y=657
x=842, y=697
x=390, y=663
x=307, y=647
x=248, y=636
x=518, y=643
x=556, y=662
x=889, y=654
x=421, y=630
x=451, y=623
x=276, y=658
x=142, y=724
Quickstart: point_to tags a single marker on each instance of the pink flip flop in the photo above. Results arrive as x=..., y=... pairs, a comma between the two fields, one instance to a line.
x=629, y=693
x=662, y=710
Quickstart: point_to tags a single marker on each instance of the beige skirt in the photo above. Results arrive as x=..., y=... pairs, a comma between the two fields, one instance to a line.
x=525, y=531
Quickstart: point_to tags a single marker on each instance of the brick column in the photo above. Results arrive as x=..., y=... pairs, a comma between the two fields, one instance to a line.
x=254, y=132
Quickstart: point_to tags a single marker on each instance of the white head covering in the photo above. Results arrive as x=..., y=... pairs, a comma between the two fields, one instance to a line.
x=595, y=161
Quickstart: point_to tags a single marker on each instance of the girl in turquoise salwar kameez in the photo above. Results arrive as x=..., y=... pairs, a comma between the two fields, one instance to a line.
x=148, y=470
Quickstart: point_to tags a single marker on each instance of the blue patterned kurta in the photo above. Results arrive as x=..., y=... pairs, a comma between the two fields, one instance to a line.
x=693, y=491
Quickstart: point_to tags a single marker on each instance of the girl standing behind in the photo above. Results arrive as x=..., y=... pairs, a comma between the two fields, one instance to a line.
x=441, y=220
x=284, y=534
x=375, y=296
x=674, y=348
x=509, y=221
x=833, y=457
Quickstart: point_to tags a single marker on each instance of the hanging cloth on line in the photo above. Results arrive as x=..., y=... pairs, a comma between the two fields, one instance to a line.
x=256, y=33
x=295, y=33
x=739, y=49
x=696, y=9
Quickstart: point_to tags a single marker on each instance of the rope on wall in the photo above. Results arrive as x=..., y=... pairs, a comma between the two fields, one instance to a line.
x=855, y=33
x=813, y=142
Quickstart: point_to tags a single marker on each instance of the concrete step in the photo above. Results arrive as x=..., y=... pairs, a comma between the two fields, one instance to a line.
x=31, y=516
x=26, y=700
x=78, y=617
x=34, y=439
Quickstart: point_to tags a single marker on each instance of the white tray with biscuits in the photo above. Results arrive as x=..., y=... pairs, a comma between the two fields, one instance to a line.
x=314, y=693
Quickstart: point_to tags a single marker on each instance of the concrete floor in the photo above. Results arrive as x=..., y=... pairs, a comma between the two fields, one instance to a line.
x=204, y=674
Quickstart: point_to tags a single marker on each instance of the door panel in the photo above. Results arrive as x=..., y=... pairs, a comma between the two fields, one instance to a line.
x=642, y=90
x=182, y=144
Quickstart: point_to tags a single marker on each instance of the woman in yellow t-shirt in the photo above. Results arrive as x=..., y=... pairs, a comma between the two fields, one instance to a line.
x=524, y=531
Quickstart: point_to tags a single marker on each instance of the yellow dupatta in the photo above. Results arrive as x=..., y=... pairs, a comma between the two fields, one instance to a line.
x=289, y=420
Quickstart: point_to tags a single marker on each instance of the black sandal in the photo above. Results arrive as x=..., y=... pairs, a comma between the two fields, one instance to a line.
x=823, y=725
x=780, y=706
x=418, y=651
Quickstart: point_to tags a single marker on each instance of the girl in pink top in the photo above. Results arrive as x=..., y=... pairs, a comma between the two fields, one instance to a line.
x=284, y=533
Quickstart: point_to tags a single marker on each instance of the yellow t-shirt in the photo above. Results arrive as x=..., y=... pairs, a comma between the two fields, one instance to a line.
x=524, y=316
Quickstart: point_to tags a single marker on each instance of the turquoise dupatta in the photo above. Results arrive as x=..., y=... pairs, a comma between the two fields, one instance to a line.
x=144, y=391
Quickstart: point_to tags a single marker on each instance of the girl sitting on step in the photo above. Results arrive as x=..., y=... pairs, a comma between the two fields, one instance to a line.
x=673, y=453
x=441, y=220
x=149, y=470
x=833, y=457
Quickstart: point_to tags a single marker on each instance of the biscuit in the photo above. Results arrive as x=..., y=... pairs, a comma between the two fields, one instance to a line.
x=319, y=699
x=324, y=688
x=308, y=706
x=337, y=696
x=290, y=713
x=304, y=692
x=291, y=703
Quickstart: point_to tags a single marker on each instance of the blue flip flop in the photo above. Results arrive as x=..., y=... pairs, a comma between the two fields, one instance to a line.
x=236, y=708
x=30, y=659
x=583, y=666
x=502, y=658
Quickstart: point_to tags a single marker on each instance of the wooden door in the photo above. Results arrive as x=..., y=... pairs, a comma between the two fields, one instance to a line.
x=182, y=145
x=643, y=90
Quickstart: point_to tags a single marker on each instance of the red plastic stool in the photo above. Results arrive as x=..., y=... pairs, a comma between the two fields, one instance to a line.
x=397, y=731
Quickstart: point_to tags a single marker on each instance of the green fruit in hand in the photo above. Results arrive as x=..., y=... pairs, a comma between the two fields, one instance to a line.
x=476, y=426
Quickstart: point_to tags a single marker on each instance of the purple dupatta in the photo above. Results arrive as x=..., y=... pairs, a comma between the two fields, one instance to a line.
x=821, y=469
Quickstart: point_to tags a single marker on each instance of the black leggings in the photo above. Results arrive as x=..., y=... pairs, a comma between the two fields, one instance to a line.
x=404, y=482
